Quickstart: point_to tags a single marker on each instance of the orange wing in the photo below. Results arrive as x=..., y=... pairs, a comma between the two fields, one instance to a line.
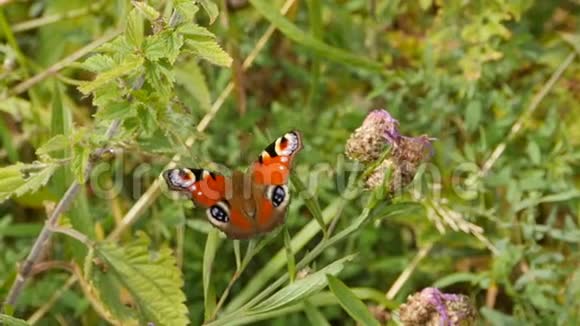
x=219, y=195
x=270, y=177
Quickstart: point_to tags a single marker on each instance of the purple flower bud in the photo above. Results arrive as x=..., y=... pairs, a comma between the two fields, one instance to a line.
x=368, y=141
x=435, y=308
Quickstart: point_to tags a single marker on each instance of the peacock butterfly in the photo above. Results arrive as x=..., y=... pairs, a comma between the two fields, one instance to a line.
x=243, y=205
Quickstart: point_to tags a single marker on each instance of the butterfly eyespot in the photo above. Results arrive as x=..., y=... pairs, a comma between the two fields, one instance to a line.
x=179, y=178
x=278, y=195
x=219, y=213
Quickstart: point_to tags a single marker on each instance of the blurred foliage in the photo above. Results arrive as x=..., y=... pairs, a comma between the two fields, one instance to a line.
x=496, y=82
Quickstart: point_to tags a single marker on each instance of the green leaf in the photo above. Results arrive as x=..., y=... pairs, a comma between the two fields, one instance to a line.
x=191, y=78
x=186, y=9
x=192, y=29
x=152, y=279
x=134, y=29
x=147, y=120
x=307, y=40
x=211, y=246
x=160, y=77
x=301, y=288
x=145, y=9
x=18, y=179
x=130, y=64
x=163, y=45
x=209, y=50
x=315, y=317
x=350, y=303
x=12, y=321
x=81, y=154
x=56, y=143
x=116, y=111
x=99, y=63
x=210, y=8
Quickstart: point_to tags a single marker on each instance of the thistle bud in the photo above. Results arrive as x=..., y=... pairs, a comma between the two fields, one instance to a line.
x=368, y=141
x=435, y=308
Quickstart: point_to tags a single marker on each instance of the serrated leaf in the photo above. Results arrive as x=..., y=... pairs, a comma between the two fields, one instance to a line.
x=147, y=119
x=56, y=143
x=145, y=9
x=163, y=45
x=134, y=28
x=192, y=29
x=18, y=179
x=12, y=321
x=115, y=111
x=127, y=66
x=160, y=78
x=80, y=161
x=108, y=94
x=186, y=9
x=209, y=50
x=99, y=63
x=350, y=303
x=152, y=280
x=301, y=288
x=190, y=77
x=210, y=8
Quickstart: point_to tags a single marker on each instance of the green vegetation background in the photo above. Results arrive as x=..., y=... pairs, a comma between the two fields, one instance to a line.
x=496, y=82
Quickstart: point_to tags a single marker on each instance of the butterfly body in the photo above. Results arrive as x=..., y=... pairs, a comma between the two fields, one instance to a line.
x=243, y=205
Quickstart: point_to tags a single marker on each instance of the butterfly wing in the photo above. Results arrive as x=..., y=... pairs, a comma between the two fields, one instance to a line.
x=221, y=197
x=269, y=175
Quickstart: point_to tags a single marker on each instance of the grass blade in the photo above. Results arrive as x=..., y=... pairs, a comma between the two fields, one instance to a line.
x=310, y=202
x=350, y=303
x=289, y=255
x=211, y=246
